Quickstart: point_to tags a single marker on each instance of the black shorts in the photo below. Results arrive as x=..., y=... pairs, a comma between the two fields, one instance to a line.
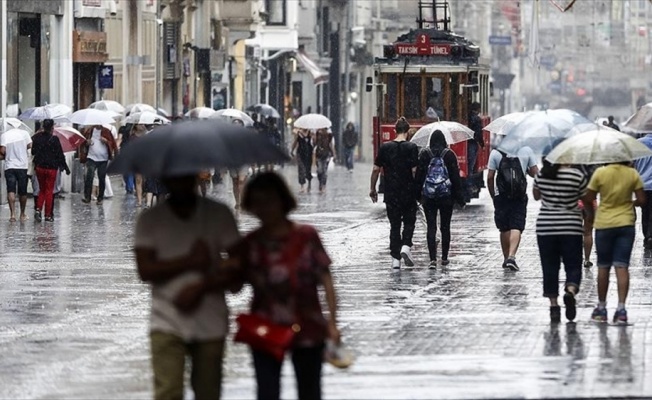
x=16, y=181
x=510, y=213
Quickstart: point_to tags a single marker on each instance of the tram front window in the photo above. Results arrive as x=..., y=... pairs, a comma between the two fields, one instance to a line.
x=412, y=108
x=435, y=96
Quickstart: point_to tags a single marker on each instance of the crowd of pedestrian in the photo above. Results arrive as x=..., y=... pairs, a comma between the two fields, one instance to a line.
x=568, y=217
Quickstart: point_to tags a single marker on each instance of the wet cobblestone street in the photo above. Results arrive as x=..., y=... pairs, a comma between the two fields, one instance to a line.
x=73, y=313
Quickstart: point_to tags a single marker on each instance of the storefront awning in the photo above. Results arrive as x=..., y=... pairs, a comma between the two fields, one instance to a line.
x=319, y=75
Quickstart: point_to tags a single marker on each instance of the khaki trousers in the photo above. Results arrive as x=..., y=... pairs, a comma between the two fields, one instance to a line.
x=168, y=362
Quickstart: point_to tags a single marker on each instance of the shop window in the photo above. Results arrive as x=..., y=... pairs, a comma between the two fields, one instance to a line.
x=275, y=12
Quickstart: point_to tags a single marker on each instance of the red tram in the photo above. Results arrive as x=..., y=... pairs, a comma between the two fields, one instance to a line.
x=429, y=74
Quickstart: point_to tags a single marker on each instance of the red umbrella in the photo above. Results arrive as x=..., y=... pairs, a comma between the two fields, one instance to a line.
x=69, y=137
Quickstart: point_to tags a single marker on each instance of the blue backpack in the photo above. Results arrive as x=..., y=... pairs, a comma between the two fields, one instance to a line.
x=438, y=184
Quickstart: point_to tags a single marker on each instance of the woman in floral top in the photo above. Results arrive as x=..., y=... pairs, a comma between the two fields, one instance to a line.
x=285, y=263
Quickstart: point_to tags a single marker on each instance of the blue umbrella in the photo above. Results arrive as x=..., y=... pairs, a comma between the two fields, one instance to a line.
x=189, y=147
x=542, y=131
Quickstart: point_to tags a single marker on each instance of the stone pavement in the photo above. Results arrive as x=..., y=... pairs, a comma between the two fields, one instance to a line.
x=73, y=315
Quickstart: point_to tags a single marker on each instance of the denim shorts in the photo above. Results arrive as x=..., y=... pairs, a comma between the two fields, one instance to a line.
x=16, y=181
x=614, y=246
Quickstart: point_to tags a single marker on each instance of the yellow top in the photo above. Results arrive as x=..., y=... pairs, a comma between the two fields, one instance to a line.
x=615, y=184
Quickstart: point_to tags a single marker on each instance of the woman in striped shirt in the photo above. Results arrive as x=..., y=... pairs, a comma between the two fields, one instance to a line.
x=560, y=232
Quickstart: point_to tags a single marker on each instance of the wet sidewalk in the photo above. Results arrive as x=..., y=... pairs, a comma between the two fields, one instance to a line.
x=73, y=314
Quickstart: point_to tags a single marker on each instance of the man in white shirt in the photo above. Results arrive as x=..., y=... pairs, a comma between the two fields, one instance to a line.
x=14, y=146
x=178, y=247
x=99, y=148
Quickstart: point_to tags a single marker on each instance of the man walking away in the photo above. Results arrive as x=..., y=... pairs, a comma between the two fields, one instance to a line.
x=99, y=148
x=398, y=161
x=14, y=146
x=644, y=168
x=611, y=124
x=324, y=151
x=508, y=188
x=178, y=245
x=350, y=139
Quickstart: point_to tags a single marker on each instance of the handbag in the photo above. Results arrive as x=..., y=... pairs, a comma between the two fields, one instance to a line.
x=264, y=335
x=261, y=333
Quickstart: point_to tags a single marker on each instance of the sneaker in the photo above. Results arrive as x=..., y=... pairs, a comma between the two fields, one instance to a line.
x=396, y=263
x=445, y=262
x=85, y=200
x=37, y=216
x=620, y=317
x=49, y=219
x=433, y=264
x=588, y=264
x=599, y=314
x=555, y=314
x=99, y=202
x=406, y=255
x=569, y=302
x=511, y=264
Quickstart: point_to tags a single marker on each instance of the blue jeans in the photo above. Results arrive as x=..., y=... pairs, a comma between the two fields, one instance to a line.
x=472, y=151
x=553, y=250
x=348, y=157
x=130, y=183
x=614, y=246
x=322, y=171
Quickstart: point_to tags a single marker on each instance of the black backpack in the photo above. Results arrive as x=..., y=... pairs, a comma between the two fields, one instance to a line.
x=511, y=180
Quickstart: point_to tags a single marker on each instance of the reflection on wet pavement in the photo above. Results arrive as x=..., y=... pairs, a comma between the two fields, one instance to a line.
x=73, y=314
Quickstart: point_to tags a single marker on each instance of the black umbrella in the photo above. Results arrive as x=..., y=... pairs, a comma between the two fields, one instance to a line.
x=265, y=110
x=188, y=147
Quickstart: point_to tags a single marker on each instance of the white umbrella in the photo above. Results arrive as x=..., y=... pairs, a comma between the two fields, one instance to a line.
x=14, y=136
x=13, y=123
x=91, y=116
x=162, y=112
x=49, y=111
x=502, y=125
x=598, y=146
x=453, y=131
x=641, y=121
x=230, y=114
x=200, y=113
x=313, y=122
x=541, y=131
x=139, y=107
x=108, y=105
x=146, y=118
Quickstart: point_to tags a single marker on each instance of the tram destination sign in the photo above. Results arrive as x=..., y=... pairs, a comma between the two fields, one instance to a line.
x=423, y=47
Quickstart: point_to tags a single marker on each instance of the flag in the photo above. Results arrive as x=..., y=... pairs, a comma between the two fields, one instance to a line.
x=533, y=46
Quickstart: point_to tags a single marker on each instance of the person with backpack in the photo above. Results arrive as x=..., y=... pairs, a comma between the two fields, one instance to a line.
x=560, y=233
x=324, y=151
x=398, y=160
x=507, y=184
x=439, y=186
